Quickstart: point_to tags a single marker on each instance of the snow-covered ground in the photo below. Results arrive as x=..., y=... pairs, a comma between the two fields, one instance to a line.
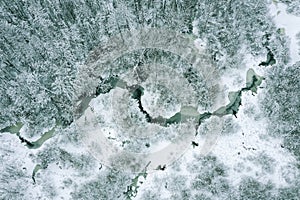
x=17, y=166
x=247, y=149
x=290, y=24
x=241, y=151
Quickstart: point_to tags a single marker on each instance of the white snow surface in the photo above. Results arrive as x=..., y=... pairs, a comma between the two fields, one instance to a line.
x=16, y=155
x=291, y=25
x=239, y=151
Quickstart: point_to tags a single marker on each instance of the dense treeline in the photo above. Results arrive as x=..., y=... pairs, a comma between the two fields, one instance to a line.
x=43, y=42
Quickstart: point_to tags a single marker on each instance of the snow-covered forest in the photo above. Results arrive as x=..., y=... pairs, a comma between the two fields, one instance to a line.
x=207, y=93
